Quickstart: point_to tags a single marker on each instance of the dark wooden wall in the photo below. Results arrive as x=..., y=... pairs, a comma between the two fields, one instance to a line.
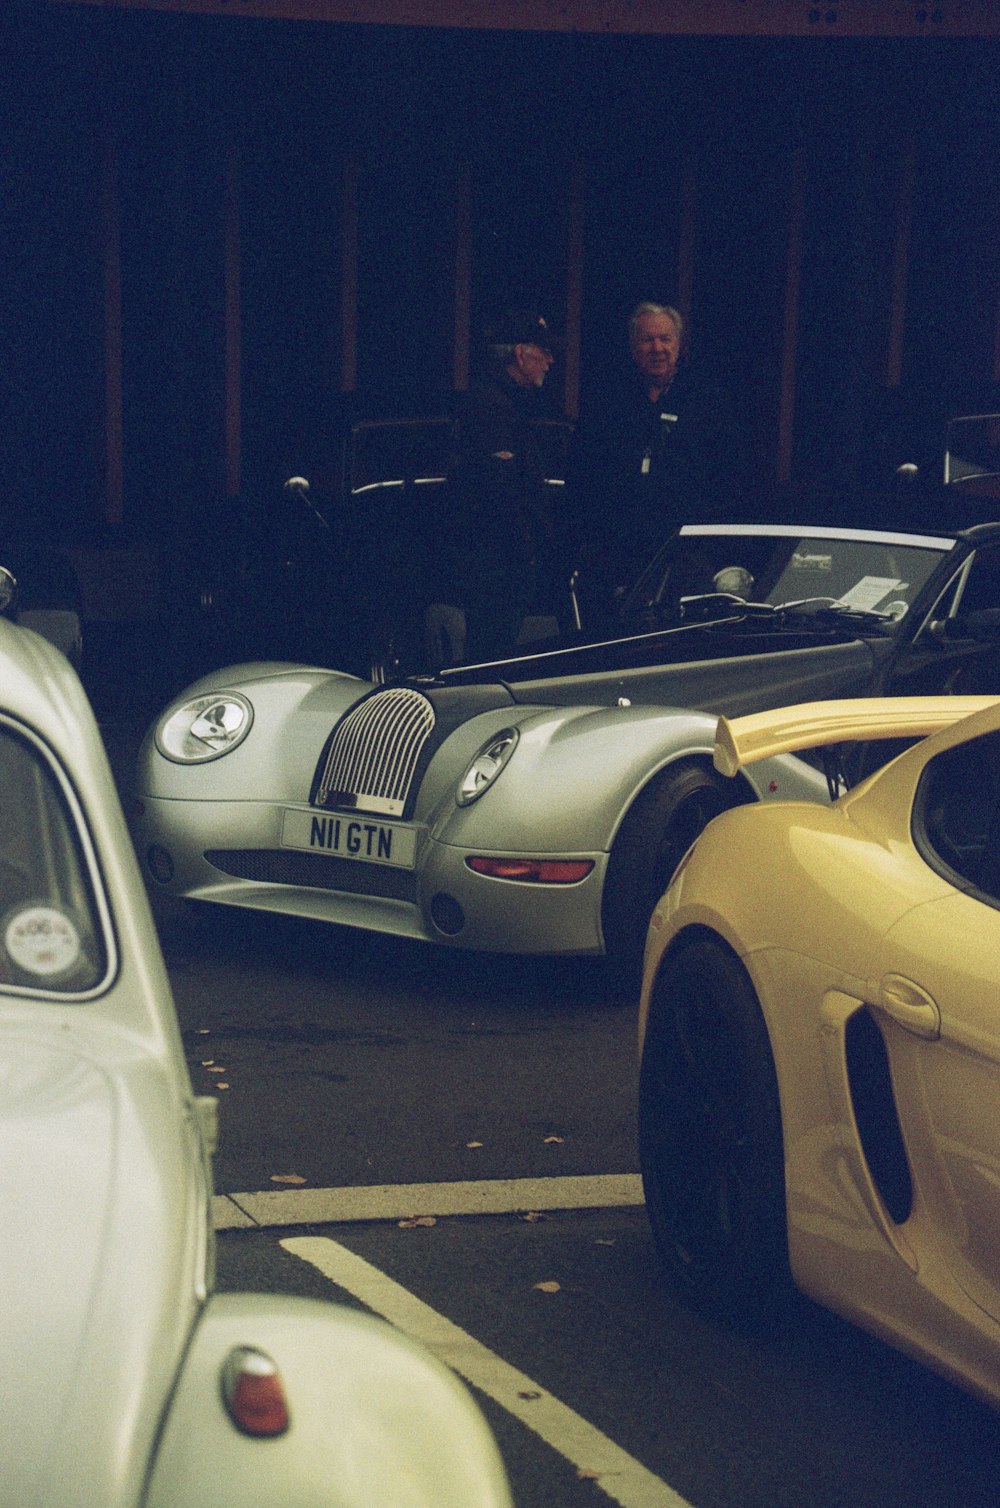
x=224, y=235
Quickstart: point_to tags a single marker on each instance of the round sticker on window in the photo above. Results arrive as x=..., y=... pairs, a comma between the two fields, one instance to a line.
x=42, y=940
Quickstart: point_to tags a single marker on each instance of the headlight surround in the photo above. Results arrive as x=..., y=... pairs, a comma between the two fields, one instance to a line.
x=204, y=727
x=484, y=769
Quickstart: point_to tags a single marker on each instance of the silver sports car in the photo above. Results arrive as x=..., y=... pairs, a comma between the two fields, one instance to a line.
x=539, y=805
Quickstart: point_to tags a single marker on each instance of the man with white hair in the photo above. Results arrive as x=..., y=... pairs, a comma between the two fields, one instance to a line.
x=653, y=453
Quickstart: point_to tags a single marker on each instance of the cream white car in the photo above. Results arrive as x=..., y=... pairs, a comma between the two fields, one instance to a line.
x=820, y=1033
x=126, y=1382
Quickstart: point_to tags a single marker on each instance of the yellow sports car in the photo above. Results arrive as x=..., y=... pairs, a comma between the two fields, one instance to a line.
x=820, y=1035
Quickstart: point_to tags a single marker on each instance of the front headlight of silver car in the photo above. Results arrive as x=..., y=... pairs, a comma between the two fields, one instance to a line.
x=486, y=766
x=205, y=727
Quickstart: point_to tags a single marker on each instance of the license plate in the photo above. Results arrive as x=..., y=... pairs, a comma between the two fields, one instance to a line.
x=351, y=837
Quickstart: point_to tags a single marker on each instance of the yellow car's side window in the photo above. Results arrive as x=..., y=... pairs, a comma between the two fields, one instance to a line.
x=957, y=815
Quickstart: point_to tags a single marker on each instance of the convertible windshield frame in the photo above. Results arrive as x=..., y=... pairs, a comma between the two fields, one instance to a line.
x=943, y=542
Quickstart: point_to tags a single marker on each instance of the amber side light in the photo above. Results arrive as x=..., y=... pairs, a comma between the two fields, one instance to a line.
x=254, y=1394
x=539, y=871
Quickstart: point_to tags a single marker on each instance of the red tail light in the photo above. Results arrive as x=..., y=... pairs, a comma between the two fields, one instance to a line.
x=254, y=1393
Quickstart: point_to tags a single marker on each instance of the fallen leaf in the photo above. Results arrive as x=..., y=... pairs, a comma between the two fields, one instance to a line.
x=207, y=1062
x=529, y=1395
x=584, y=1474
x=222, y=1086
x=604, y=1241
x=473, y=1143
x=215, y=1069
x=532, y=1215
x=556, y=1139
x=417, y=1220
x=284, y=1177
x=549, y=1286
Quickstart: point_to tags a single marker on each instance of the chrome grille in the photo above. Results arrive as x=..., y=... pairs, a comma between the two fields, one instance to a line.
x=373, y=752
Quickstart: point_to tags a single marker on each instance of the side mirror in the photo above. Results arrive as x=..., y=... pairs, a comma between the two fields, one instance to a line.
x=983, y=625
x=8, y=589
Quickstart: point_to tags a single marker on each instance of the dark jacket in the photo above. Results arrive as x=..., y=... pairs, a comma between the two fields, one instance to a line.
x=496, y=489
x=642, y=469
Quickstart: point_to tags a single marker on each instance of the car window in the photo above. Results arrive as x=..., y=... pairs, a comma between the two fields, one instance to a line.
x=980, y=589
x=384, y=453
x=957, y=813
x=51, y=938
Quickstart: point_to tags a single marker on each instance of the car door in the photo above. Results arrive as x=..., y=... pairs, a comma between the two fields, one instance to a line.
x=944, y=659
x=935, y=992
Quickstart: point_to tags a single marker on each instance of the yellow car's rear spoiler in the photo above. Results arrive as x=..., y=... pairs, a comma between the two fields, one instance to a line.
x=761, y=735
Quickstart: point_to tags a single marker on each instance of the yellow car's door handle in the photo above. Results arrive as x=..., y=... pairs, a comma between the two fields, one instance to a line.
x=910, y=1006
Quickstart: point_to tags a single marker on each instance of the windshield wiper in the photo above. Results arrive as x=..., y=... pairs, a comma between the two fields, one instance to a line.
x=823, y=610
x=725, y=604
x=827, y=611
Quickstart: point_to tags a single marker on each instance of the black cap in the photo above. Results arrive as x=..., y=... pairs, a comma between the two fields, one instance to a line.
x=521, y=327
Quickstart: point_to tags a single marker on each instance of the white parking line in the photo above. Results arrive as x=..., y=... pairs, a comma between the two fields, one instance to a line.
x=620, y=1476
x=497, y=1196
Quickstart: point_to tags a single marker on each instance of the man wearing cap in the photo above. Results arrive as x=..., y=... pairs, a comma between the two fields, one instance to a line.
x=496, y=487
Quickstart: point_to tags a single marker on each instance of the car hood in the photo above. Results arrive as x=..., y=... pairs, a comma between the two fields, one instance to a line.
x=97, y=1267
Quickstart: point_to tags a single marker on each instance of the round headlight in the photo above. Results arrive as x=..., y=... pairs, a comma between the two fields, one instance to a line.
x=486, y=766
x=206, y=727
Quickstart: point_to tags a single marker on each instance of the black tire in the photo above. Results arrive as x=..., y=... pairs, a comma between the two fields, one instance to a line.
x=657, y=832
x=710, y=1142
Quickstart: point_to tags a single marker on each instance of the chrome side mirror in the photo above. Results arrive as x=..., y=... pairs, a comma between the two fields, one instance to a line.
x=8, y=589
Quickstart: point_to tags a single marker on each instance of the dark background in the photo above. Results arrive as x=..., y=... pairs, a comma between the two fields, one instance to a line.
x=636, y=122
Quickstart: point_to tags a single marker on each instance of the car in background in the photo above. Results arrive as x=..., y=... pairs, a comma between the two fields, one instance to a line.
x=341, y=564
x=820, y=1041
x=972, y=455
x=40, y=589
x=539, y=804
x=126, y=1381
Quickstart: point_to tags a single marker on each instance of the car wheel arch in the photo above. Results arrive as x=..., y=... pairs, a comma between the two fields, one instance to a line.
x=653, y=832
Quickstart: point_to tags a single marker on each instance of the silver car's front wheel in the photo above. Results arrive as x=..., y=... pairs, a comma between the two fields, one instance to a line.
x=656, y=834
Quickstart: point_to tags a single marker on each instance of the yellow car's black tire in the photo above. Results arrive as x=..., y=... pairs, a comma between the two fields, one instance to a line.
x=656, y=833
x=710, y=1140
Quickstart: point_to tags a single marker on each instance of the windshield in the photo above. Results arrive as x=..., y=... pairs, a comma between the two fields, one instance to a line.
x=50, y=932
x=777, y=564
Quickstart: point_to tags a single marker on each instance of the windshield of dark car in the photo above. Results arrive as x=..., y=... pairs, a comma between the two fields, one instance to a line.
x=50, y=929
x=777, y=564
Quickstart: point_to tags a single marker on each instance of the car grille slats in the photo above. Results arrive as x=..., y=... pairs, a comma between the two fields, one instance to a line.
x=315, y=872
x=372, y=755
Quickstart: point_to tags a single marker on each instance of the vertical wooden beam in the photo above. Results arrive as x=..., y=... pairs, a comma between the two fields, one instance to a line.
x=233, y=323
x=790, y=331
x=900, y=265
x=686, y=240
x=463, y=279
x=114, y=473
x=574, y=286
x=349, y=277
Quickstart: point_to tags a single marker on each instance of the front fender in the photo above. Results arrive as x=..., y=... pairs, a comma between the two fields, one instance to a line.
x=577, y=771
x=375, y=1419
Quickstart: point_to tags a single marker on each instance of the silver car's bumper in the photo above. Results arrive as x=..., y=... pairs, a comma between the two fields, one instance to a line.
x=231, y=854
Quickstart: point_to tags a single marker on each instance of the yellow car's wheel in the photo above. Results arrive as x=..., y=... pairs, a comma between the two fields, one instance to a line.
x=710, y=1141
